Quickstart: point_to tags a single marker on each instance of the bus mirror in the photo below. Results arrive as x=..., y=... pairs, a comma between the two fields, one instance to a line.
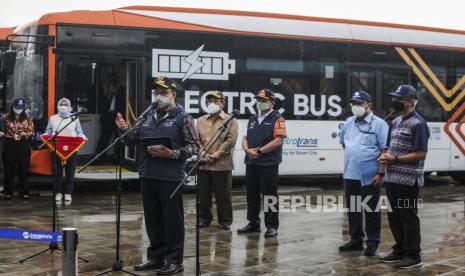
x=7, y=62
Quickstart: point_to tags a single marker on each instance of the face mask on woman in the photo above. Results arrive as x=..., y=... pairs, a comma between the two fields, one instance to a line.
x=17, y=111
x=64, y=110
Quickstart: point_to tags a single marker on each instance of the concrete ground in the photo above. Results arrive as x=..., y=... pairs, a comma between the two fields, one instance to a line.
x=307, y=243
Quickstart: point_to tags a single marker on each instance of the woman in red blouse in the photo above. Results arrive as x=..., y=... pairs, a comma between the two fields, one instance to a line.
x=19, y=130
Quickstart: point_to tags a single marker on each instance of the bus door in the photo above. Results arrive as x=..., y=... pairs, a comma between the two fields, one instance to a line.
x=378, y=82
x=89, y=81
x=77, y=80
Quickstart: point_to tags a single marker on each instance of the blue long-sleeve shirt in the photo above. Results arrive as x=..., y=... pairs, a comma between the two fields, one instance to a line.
x=79, y=132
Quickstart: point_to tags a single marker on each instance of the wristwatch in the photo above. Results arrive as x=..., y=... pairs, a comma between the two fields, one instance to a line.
x=396, y=159
x=259, y=151
x=381, y=174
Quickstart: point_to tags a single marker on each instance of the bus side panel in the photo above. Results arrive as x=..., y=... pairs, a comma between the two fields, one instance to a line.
x=438, y=157
x=312, y=147
x=457, y=155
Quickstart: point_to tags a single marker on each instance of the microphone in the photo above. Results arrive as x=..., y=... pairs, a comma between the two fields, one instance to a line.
x=75, y=114
x=148, y=110
x=228, y=119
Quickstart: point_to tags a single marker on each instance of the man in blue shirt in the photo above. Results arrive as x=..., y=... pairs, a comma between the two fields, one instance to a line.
x=364, y=138
x=408, y=146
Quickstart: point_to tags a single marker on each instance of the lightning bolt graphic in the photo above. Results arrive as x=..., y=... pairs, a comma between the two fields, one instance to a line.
x=194, y=61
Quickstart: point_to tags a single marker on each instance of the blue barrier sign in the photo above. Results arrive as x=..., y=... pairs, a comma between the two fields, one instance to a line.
x=30, y=235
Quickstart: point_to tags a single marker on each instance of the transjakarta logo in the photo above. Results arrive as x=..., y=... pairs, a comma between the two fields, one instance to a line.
x=301, y=142
x=303, y=104
x=188, y=64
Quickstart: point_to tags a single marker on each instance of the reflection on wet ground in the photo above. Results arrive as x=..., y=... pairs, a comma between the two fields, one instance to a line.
x=307, y=243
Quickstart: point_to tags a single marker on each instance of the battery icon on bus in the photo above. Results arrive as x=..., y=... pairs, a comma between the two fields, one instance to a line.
x=187, y=64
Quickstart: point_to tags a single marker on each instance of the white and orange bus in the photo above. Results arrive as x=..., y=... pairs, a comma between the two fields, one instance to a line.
x=313, y=64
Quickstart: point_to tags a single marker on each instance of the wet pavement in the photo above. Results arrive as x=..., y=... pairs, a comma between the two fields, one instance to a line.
x=307, y=243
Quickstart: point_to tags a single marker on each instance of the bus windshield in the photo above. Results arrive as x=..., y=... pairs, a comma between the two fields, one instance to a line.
x=28, y=79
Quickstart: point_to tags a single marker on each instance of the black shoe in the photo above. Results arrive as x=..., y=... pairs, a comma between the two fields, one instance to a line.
x=271, y=232
x=169, y=269
x=147, y=265
x=371, y=250
x=409, y=262
x=8, y=196
x=25, y=196
x=351, y=246
x=225, y=226
x=249, y=228
x=391, y=258
x=204, y=224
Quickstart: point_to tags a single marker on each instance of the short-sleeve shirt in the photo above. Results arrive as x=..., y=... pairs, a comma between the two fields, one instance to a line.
x=409, y=133
x=421, y=136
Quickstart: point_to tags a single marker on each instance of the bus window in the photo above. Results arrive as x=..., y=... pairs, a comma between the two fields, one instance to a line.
x=427, y=105
x=29, y=75
x=78, y=86
x=443, y=65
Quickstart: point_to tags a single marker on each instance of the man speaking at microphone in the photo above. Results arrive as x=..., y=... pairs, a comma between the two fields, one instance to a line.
x=216, y=175
x=161, y=169
x=262, y=143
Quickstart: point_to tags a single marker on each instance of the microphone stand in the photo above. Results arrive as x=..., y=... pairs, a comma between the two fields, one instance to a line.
x=54, y=245
x=199, y=162
x=118, y=264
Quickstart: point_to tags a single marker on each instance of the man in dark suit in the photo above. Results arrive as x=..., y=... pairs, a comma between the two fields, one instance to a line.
x=113, y=101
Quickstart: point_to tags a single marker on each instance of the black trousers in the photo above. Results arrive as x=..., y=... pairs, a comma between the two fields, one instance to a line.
x=164, y=221
x=403, y=220
x=16, y=154
x=262, y=181
x=353, y=189
x=64, y=185
x=219, y=182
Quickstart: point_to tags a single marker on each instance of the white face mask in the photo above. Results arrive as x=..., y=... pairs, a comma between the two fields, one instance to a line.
x=154, y=97
x=163, y=101
x=64, y=110
x=213, y=108
x=358, y=110
x=17, y=111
